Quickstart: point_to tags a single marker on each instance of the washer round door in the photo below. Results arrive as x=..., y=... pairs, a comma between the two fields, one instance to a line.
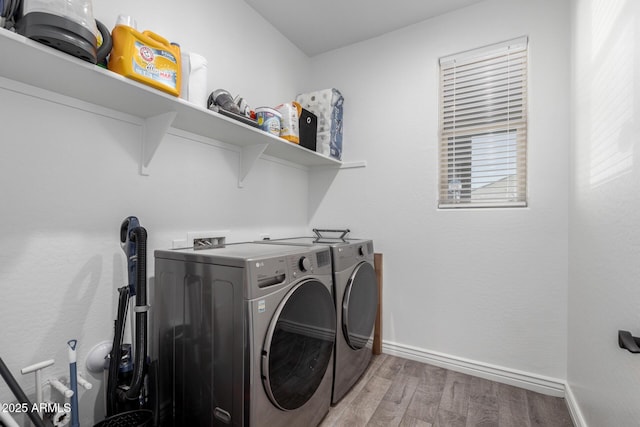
x=360, y=306
x=299, y=345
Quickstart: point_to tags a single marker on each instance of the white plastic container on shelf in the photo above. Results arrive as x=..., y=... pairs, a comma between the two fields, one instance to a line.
x=194, y=79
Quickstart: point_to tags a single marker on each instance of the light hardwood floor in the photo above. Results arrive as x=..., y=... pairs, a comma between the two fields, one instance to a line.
x=400, y=392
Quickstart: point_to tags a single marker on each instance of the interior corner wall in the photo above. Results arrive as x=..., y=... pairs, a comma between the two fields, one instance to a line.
x=604, y=251
x=69, y=174
x=487, y=285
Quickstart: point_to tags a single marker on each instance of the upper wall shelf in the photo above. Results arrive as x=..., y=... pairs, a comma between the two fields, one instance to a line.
x=37, y=65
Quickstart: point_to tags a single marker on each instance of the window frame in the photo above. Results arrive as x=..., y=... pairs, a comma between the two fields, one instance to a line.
x=507, y=116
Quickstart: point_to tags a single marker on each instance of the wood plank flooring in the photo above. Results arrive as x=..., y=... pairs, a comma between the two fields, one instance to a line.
x=405, y=393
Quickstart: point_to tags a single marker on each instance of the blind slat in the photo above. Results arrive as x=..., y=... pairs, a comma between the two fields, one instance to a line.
x=489, y=117
x=493, y=72
x=473, y=129
x=504, y=64
x=482, y=94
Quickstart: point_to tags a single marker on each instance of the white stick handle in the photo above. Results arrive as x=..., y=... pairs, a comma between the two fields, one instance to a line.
x=72, y=350
x=37, y=366
x=39, y=399
x=84, y=383
x=61, y=387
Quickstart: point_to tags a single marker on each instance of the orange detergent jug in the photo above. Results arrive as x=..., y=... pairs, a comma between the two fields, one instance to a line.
x=146, y=57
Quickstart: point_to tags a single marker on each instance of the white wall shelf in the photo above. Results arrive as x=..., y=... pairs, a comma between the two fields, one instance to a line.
x=34, y=64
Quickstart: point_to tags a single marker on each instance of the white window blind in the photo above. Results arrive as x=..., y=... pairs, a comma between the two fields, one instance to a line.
x=483, y=127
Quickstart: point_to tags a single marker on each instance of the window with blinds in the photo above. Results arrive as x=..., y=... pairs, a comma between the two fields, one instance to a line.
x=483, y=127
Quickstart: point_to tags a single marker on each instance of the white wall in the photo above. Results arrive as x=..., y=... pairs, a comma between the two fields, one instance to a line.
x=485, y=285
x=604, y=232
x=69, y=177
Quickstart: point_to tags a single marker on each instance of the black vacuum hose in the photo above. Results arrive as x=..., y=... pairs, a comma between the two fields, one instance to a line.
x=116, y=350
x=139, y=235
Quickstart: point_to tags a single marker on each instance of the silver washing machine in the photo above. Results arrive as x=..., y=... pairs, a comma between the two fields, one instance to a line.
x=244, y=335
x=356, y=299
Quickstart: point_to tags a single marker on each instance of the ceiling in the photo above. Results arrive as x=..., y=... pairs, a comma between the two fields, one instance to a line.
x=323, y=25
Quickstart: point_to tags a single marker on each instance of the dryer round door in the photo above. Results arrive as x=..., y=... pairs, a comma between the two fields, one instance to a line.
x=299, y=345
x=360, y=306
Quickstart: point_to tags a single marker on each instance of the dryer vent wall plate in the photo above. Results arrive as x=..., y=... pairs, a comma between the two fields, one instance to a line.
x=209, y=243
x=202, y=239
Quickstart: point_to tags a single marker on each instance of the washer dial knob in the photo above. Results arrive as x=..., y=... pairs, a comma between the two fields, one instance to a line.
x=304, y=264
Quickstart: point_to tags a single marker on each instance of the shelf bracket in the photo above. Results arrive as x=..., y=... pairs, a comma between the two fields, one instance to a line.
x=354, y=165
x=153, y=131
x=248, y=158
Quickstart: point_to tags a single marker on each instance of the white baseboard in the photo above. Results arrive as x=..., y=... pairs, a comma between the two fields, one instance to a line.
x=538, y=383
x=574, y=409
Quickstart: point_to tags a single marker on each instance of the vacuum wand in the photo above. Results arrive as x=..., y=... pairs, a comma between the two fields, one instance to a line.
x=73, y=380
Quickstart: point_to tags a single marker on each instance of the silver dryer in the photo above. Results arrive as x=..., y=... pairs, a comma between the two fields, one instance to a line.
x=356, y=299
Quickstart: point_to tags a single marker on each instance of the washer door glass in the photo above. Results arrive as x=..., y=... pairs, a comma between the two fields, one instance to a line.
x=359, y=306
x=299, y=345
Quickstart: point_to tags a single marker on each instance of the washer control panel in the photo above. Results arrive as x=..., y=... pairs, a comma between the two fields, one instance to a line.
x=301, y=265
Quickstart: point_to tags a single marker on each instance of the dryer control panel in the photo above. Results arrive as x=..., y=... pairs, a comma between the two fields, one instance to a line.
x=351, y=253
x=312, y=262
